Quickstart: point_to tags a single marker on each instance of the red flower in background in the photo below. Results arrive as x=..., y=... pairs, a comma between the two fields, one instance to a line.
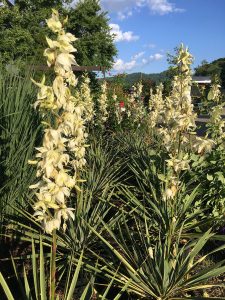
x=122, y=104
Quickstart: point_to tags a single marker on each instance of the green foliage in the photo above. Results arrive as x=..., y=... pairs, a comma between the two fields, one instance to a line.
x=23, y=31
x=216, y=67
x=144, y=211
x=90, y=25
x=40, y=280
x=163, y=270
x=19, y=134
x=209, y=172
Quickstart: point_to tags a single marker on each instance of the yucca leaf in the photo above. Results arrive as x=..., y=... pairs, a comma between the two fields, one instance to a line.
x=6, y=288
x=75, y=278
x=18, y=278
x=197, y=298
x=87, y=293
x=35, y=271
x=42, y=273
x=26, y=285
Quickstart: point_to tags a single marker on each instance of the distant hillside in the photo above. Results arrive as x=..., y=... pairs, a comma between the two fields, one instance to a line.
x=205, y=69
x=130, y=79
x=134, y=77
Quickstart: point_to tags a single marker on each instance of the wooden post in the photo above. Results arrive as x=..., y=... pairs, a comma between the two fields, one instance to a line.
x=78, y=68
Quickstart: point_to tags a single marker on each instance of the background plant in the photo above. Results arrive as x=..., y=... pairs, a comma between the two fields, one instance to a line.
x=20, y=133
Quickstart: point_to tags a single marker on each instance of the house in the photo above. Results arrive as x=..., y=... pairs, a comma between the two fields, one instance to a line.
x=200, y=85
x=202, y=80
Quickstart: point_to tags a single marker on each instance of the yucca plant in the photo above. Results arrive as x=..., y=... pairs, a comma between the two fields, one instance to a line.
x=19, y=133
x=37, y=287
x=165, y=270
x=69, y=286
x=153, y=194
x=92, y=203
x=105, y=166
x=89, y=213
x=167, y=217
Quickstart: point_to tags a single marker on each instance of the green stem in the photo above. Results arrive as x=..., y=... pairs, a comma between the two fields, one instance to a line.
x=53, y=266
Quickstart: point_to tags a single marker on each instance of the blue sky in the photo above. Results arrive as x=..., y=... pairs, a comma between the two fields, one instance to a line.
x=146, y=30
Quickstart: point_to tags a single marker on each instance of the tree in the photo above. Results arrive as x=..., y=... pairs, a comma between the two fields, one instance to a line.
x=90, y=25
x=23, y=31
x=217, y=67
x=23, y=28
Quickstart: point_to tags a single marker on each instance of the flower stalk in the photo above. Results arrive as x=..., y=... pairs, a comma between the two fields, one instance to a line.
x=62, y=154
x=103, y=103
x=53, y=266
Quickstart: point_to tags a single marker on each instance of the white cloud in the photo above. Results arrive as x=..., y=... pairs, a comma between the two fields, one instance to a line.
x=138, y=55
x=152, y=58
x=118, y=5
x=162, y=7
x=121, y=66
x=120, y=36
x=124, y=15
x=156, y=56
x=124, y=8
x=144, y=61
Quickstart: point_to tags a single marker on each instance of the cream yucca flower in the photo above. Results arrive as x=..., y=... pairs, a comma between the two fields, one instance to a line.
x=178, y=164
x=203, y=145
x=170, y=192
x=130, y=105
x=56, y=169
x=137, y=89
x=156, y=106
x=87, y=99
x=172, y=120
x=135, y=106
x=54, y=23
x=45, y=99
x=216, y=124
x=215, y=92
x=102, y=101
x=171, y=189
x=118, y=109
x=140, y=112
x=184, y=59
x=173, y=116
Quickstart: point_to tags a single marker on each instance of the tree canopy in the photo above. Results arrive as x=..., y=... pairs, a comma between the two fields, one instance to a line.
x=23, y=30
x=217, y=67
x=90, y=25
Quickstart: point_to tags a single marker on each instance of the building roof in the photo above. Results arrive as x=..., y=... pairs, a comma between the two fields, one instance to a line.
x=201, y=79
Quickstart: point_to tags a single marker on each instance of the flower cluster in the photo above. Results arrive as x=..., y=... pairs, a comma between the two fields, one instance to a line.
x=119, y=108
x=156, y=106
x=86, y=98
x=216, y=123
x=103, y=103
x=137, y=89
x=173, y=120
x=135, y=106
x=177, y=117
x=215, y=92
x=61, y=156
